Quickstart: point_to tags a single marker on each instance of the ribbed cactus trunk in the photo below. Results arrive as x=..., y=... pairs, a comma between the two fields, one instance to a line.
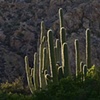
x=58, y=51
x=81, y=69
x=53, y=67
x=62, y=35
x=60, y=73
x=88, y=48
x=41, y=73
x=36, y=73
x=84, y=72
x=62, y=39
x=42, y=43
x=65, y=61
x=61, y=18
x=42, y=31
x=29, y=76
x=44, y=67
x=77, y=57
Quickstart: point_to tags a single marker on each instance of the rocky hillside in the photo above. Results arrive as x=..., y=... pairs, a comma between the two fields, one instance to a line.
x=20, y=29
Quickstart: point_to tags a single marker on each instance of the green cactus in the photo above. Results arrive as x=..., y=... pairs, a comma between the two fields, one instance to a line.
x=61, y=18
x=81, y=66
x=51, y=65
x=65, y=60
x=85, y=71
x=57, y=50
x=44, y=67
x=52, y=57
x=77, y=57
x=62, y=35
x=88, y=48
x=60, y=73
x=48, y=79
x=81, y=70
x=29, y=76
x=42, y=31
x=36, y=73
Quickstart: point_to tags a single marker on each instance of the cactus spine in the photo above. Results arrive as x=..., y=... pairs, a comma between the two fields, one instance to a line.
x=88, y=49
x=51, y=57
x=77, y=57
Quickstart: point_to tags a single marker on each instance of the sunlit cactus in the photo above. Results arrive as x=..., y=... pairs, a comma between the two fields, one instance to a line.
x=61, y=17
x=65, y=61
x=52, y=57
x=77, y=56
x=36, y=73
x=60, y=73
x=88, y=48
x=29, y=76
x=51, y=62
x=84, y=72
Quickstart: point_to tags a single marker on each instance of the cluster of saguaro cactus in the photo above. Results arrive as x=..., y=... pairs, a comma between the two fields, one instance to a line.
x=51, y=62
x=80, y=66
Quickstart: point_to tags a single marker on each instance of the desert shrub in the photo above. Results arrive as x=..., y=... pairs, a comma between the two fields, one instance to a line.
x=71, y=89
x=14, y=87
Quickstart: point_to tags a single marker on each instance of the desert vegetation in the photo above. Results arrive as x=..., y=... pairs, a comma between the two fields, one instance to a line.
x=51, y=77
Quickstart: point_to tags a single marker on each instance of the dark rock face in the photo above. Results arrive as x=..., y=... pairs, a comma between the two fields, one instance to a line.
x=20, y=29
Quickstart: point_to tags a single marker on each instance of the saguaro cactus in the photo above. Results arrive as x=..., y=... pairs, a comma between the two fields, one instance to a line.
x=41, y=46
x=62, y=35
x=84, y=71
x=61, y=17
x=58, y=51
x=36, y=73
x=65, y=60
x=42, y=31
x=88, y=49
x=77, y=56
x=29, y=76
x=41, y=76
x=51, y=56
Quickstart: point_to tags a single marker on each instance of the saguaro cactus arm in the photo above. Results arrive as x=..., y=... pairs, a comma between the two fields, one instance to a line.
x=88, y=48
x=52, y=57
x=65, y=60
x=36, y=73
x=61, y=17
x=77, y=56
x=28, y=73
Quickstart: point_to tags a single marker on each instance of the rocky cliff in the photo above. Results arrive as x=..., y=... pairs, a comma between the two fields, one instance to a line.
x=20, y=29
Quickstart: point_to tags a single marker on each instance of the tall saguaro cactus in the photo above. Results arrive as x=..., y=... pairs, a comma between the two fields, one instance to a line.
x=51, y=56
x=36, y=73
x=77, y=56
x=65, y=61
x=61, y=18
x=88, y=48
x=29, y=76
x=42, y=42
